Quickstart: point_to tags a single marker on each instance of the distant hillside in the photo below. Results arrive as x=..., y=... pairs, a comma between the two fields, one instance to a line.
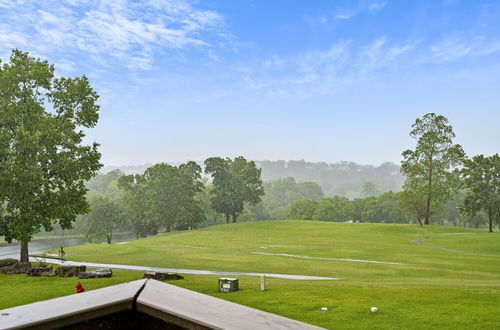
x=344, y=178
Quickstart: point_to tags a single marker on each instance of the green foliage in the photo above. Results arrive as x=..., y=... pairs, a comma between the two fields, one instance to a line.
x=236, y=183
x=281, y=193
x=384, y=208
x=105, y=215
x=164, y=196
x=106, y=184
x=135, y=205
x=430, y=170
x=481, y=178
x=43, y=161
x=333, y=209
x=302, y=209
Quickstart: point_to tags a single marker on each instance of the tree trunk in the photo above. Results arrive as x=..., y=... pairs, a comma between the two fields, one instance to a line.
x=490, y=218
x=420, y=221
x=427, y=210
x=234, y=217
x=24, y=252
x=429, y=192
x=108, y=239
x=228, y=217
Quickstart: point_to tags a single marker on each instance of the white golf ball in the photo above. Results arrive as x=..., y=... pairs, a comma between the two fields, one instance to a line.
x=324, y=309
x=374, y=309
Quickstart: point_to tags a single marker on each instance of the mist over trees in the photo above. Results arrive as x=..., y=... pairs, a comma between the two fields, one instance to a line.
x=166, y=197
x=346, y=179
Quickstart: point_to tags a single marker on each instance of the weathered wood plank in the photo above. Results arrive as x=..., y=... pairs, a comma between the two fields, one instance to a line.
x=198, y=311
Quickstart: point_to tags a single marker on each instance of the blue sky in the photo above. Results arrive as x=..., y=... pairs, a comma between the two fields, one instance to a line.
x=271, y=79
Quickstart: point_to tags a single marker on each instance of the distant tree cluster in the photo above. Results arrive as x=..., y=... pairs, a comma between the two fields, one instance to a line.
x=281, y=193
x=384, y=208
x=167, y=197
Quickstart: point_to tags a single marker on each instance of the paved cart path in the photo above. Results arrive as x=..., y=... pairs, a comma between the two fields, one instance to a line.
x=176, y=270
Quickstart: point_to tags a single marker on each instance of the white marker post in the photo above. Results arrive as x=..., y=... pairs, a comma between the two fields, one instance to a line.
x=263, y=285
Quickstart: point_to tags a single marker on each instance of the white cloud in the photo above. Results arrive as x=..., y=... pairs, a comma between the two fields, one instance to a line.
x=454, y=48
x=125, y=31
x=320, y=71
x=363, y=6
x=344, y=14
x=450, y=51
x=376, y=5
x=5, y=3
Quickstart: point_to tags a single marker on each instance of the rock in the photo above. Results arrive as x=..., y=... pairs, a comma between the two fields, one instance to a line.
x=21, y=268
x=8, y=262
x=69, y=271
x=100, y=272
x=162, y=276
x=41, y=271
x=48, y=274
x=17, y=268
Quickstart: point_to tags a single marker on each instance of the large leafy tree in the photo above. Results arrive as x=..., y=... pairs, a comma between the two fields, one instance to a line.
x=43, y=161
x=164, y=196
x=430, y=171
x=481, y=178
x=171, y=195
x=104, y=217
x=236, y=183
x=135, y=205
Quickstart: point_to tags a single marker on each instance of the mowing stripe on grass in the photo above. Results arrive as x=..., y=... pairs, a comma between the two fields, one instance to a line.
x=421, y=242
x=334, y=259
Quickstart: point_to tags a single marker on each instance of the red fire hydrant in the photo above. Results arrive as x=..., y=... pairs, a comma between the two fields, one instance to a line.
x=79, y=287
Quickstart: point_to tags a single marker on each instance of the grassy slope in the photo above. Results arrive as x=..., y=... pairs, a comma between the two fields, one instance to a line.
x=438, y=289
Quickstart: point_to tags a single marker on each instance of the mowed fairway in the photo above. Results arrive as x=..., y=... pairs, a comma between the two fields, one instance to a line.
x=444, y=279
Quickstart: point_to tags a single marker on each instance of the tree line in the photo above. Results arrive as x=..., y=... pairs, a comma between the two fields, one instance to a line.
x=384, y=208
x=168, y=198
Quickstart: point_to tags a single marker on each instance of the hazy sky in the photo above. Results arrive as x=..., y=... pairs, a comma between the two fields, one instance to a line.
x=271, y=79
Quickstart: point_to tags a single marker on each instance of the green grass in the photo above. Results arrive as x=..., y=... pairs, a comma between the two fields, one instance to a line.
x=22, y=289
x=436, y=289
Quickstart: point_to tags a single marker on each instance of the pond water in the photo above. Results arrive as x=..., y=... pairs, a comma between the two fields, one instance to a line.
x=40, y=246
